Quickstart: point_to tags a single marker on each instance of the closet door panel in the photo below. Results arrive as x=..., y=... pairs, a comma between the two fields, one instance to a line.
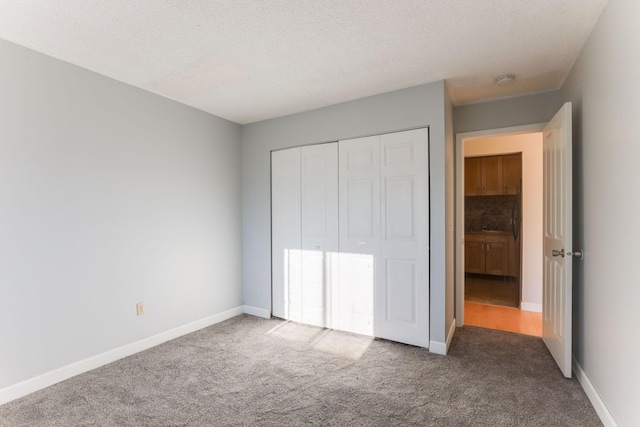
x=359, y=233
x=286, y=234
x=401, y=290
x=402, y=296
x=360, y=209
x=319, y=191
x=399, y=208
x=354, y=302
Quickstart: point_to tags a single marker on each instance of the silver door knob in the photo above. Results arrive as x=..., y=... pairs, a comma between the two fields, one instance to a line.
x=576, y=254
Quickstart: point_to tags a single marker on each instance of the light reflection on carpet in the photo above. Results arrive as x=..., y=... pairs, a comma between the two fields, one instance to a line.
x=343, y=344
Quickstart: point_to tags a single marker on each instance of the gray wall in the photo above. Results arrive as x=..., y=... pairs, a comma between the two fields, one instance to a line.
x=605, y=92
x=450, y=215
x=109, y=195
x=407, y=108
x=523, y=110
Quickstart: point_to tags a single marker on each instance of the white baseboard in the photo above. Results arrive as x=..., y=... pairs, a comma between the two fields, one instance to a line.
x=50, y=378
x=257, y=311
x=594, y=397
x=438, y=347
x=530, y=306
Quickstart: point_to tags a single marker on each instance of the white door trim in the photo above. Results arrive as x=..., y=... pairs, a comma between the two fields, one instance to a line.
x=459, y=201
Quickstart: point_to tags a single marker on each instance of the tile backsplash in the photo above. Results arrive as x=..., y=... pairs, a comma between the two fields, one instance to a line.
x=496, y=211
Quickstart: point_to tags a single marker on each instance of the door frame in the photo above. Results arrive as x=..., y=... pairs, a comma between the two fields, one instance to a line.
x=459, y=202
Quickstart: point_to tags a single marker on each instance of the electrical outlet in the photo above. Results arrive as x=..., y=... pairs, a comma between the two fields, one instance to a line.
x=140, y=308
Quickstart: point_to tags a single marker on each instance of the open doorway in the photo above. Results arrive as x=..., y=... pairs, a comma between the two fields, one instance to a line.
x=499, y=230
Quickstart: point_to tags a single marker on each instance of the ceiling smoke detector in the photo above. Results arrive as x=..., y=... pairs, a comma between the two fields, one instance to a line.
x=505, y=79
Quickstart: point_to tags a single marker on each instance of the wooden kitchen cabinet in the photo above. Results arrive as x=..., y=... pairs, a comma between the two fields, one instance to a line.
x=473, y=176
x=488, y=253
x=512, y=174
x=493, y=175
x=497, y=255
x=474, y=254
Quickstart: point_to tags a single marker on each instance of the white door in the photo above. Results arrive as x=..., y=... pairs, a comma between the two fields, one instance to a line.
x=402, y=293
x=319, y=191
x=557, y=234
x=384, y=218
x=370, y=277
x=304, y=212
x=286, y=234
x=359, y=233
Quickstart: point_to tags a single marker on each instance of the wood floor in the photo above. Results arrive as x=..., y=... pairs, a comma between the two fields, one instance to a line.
x=493, y=290
x=502, y=318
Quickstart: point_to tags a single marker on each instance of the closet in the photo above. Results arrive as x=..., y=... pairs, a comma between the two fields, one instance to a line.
x=350, y=224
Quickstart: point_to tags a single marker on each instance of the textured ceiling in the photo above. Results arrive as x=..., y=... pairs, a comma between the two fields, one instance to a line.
x=249, y=60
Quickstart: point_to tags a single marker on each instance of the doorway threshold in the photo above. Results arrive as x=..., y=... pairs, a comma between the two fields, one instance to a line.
x=502, y=318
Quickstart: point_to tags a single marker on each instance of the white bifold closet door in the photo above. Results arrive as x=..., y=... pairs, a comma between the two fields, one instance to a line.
x=305, y=231
x=384, y=233
x=350, y=235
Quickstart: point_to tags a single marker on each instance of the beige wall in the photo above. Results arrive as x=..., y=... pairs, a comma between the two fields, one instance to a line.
x=531, y=147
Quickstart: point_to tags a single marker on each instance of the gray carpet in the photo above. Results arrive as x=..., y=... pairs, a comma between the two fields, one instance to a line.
x=251, y=371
